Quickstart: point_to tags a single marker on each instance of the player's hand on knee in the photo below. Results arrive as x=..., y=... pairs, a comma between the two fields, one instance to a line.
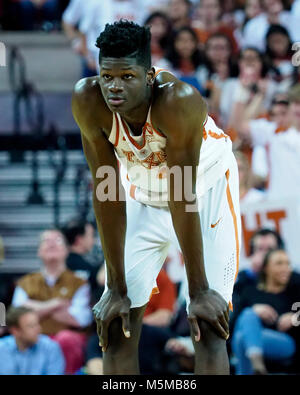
x=110, y=306
x=209, y=306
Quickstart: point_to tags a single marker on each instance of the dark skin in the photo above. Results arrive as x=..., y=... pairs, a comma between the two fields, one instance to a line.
x=125, y=87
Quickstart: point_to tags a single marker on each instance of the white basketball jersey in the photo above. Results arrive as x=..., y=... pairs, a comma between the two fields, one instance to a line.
x=143, y=160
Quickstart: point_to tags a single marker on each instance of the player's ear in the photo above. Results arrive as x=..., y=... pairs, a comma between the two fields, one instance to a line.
x=150, y=76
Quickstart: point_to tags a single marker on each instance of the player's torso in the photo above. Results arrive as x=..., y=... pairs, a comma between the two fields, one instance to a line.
x=143, y=159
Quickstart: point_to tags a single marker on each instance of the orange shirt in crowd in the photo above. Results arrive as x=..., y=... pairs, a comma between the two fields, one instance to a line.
x=166, y=297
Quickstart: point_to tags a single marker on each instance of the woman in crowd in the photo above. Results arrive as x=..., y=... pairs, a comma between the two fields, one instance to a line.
x=161, y=34
x=207, y=21
x=279, y=54
x=264, y=328
x=253, y=87
x=179, y=13
x=184, y=57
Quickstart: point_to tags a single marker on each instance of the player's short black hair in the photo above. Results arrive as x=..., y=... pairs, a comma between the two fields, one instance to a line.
x=126, y=39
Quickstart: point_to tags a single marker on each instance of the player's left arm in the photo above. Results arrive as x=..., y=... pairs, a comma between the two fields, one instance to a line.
x=182, y=122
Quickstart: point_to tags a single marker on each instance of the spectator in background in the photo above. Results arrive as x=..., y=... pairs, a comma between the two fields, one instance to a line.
x=253, y=88
x=33, y=12
x=219, y=65
x=80, y=236
x=59, y=297
x=207, y=21
x=279, y=55
x=248, y=194
x=262, y=241
x=161, y=34
x=75, y=15
x=256, y=29
x=106, y=11
x=179, y=12
x=252, y=9
x=264, y=329
x=283, y=150
x=184, y=57
x=25, y=351
x=276, y=122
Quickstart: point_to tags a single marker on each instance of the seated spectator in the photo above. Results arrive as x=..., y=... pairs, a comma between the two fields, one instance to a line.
x=207, y=21
x=59, y=297
x=75, y=15
x=252, y=8
x=161, y=33
x=184, y=57
x=279, y=54
x=256, y=28
x=253, y=88
x=25, y=351
x=33, y=13
x=179, y=13
x=80, y=236
x=264, y=327
x=261, y=242
x=219, y=64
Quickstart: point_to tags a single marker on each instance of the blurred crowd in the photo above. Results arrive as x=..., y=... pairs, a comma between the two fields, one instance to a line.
x=242, y=56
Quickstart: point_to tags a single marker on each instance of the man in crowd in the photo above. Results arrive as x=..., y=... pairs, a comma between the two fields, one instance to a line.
x=59, y=297
x=25, y=351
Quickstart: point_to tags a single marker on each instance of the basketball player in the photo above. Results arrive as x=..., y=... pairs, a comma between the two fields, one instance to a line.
x=147, y=123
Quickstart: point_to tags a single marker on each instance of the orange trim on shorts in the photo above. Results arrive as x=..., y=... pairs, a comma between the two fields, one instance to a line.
x=132, y=191
x=230, y=202
x=230, y=306
x=155, y=291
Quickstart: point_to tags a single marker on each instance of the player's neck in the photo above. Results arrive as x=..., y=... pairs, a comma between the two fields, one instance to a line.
x=137, y=117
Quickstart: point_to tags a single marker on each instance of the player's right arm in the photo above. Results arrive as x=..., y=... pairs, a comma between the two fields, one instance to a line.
x=92, y=117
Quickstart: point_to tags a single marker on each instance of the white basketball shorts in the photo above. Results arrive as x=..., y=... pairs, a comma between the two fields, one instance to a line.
x=150, y=232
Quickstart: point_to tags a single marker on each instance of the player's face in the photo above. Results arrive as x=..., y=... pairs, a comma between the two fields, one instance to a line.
x=124, y=83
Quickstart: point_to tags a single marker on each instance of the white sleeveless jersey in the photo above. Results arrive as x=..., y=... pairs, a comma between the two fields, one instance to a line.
x=143, y=158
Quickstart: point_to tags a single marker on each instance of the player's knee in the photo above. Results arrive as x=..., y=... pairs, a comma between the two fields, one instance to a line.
x=118, y=343
x=210, y=337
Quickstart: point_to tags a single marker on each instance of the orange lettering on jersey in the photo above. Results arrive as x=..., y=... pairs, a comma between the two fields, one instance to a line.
x=151, y=161
x=216, y=135
x=129, y=155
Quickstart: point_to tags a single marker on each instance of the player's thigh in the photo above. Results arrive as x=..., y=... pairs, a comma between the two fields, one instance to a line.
x=221, y=228
x=146, y=248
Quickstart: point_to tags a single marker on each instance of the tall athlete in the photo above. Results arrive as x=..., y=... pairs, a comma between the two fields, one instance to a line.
x=142, y=123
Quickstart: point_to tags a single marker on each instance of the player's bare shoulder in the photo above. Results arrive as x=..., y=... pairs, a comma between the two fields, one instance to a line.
x=175, y=100
x=88, y=106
